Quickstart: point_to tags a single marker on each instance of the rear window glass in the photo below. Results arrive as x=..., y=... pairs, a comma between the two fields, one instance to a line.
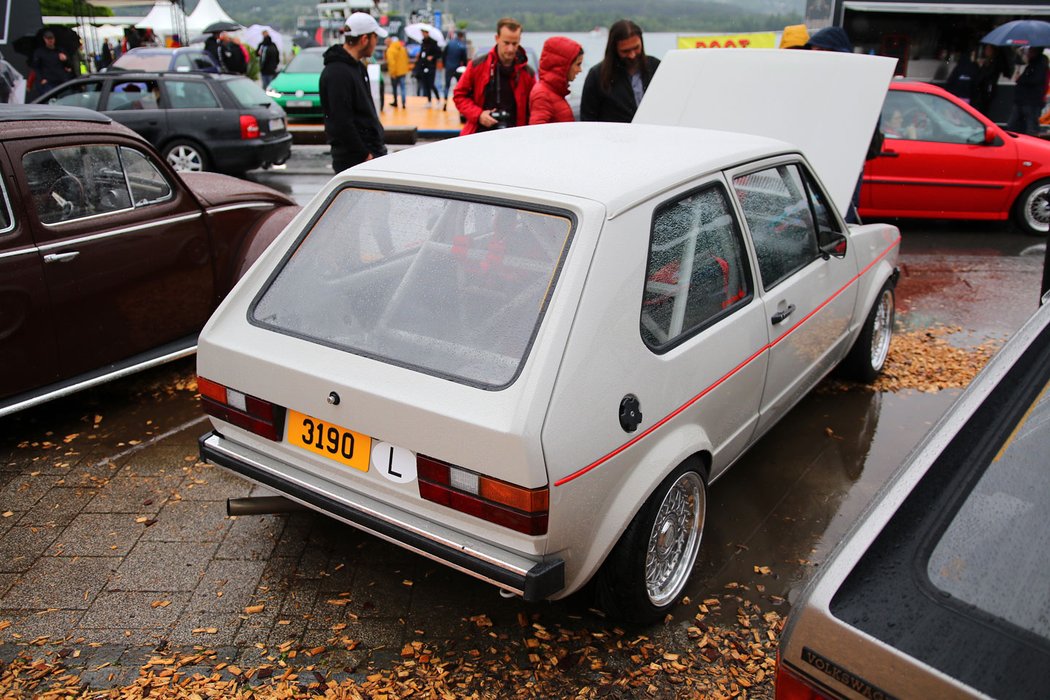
x=150, y=62
x=247, y=93
x=306, y=62
x=449, y=287
x=995, y=549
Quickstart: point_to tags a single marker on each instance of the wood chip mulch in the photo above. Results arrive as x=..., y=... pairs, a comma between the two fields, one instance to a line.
x=698, y=658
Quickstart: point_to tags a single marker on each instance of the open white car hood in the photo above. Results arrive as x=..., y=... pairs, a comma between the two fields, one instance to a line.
x=825, y=103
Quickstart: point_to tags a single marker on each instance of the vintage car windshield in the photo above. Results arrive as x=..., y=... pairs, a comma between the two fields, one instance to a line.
x=451, y=287
x=996, y=544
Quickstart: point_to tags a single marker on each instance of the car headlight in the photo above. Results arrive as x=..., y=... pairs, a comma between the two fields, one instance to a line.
x=273, y=93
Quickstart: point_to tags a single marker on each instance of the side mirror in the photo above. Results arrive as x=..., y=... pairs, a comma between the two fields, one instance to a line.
x=834, y=245
x=991, y=138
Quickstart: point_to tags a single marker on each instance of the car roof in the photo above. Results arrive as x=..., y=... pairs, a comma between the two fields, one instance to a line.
x=33, y=120
x=21, y=113
x=133, y=74
x=618, y=165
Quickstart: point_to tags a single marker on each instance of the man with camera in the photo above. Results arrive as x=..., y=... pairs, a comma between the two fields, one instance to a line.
x=494, y=91
x=351, y=124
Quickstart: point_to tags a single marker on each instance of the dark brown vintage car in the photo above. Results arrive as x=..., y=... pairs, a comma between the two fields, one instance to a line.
x=110, y=262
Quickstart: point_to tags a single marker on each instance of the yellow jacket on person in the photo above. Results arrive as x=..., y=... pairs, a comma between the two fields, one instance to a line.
x=396, y=59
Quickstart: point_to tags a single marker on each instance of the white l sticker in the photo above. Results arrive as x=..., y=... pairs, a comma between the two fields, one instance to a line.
x=393, y=462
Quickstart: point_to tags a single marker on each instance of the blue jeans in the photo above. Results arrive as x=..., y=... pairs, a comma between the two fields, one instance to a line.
x=1024, y=119
x=397, y=84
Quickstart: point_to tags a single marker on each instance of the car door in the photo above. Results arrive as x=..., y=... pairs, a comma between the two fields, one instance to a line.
x=808, y=297
x=126, y=251
x=135, y=102
x=27, y=339
x=934, y=159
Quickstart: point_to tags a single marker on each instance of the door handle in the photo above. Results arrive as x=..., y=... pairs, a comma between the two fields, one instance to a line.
x=61, y=257
x=780, y=316
x=889, y=154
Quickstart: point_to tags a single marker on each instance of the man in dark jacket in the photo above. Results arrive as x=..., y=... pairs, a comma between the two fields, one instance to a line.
x=494, y=91
x=1030, y=94
x=52, y=65
x=269, y=56
x=351, y=124
x=614, y=88
x=454, y=58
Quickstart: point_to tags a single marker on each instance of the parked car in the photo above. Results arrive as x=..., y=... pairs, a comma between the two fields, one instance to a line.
x=155, y=59
x=296, y=89
x=110, y=261
x=198, y=121
x=942, y=159
x=939, y=590
x=527, y=371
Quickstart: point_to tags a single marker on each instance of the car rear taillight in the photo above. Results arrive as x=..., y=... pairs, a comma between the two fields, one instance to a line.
x=249, y=127
x=520, y=509
x=790, y=686
x=260, y=417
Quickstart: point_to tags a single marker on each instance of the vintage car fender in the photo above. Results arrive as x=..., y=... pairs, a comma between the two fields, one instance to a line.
x=259, y=238
x=623, y=492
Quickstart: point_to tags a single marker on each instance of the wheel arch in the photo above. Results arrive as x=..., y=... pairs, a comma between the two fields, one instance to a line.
x=625, y=497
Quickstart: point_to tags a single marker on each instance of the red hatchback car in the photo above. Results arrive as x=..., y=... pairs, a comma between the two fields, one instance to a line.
x=942, y=159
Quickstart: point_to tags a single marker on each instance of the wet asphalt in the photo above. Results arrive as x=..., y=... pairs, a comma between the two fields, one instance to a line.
x=114, y=539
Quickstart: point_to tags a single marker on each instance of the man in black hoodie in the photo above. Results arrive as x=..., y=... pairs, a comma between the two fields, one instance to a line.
x=351, y=124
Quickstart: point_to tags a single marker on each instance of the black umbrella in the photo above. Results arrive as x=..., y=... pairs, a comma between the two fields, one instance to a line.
x=1021, y=32
x=66, y=40
x=221, y=26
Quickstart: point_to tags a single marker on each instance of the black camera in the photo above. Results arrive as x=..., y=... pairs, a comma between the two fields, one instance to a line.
x=502, y=118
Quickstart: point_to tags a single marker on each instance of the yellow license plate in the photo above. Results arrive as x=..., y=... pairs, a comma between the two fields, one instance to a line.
x=329, y=440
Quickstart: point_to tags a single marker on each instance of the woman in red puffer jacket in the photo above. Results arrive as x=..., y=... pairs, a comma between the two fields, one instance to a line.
x=560, y=62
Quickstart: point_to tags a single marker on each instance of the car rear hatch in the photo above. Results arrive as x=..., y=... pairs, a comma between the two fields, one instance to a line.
x=254, y=102
x=399, y=358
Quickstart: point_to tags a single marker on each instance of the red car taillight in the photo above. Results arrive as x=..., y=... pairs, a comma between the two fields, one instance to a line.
x=520, y=509
x=790, y=686
x=260, y=417
x=249, y=127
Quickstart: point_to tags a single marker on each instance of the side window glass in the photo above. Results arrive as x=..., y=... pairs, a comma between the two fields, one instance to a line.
x=697, y=270
x=147, y=183
x=190, y=94
x=919, y=117
x=827, y=225
x=81, y=95
x=75, y=182
x=134, y=94
x=7, y=218
x=776, y=208
x=182, y=63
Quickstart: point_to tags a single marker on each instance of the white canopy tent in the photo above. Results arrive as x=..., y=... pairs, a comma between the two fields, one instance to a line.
x=164, y=19
x=206, y=12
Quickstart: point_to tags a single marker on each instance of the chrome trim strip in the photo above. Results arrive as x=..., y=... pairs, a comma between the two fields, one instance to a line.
x=214, y=443
x=119, y=231
x=95, y=381
x=19, y=251
x=245, y=205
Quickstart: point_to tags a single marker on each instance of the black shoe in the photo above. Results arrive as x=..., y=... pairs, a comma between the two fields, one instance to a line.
x=444, y=105
x=393, y=104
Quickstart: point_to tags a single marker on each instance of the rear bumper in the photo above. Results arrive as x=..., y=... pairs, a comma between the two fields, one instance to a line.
x=528, y=578
x=238, y=156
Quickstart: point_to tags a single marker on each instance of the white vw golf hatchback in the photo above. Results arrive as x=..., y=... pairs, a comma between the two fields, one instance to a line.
x=528, y=354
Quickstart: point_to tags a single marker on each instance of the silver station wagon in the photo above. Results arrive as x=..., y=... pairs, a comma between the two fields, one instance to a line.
x=528, y=354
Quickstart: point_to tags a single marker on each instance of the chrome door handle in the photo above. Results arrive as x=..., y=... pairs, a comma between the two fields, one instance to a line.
x=61, y=257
